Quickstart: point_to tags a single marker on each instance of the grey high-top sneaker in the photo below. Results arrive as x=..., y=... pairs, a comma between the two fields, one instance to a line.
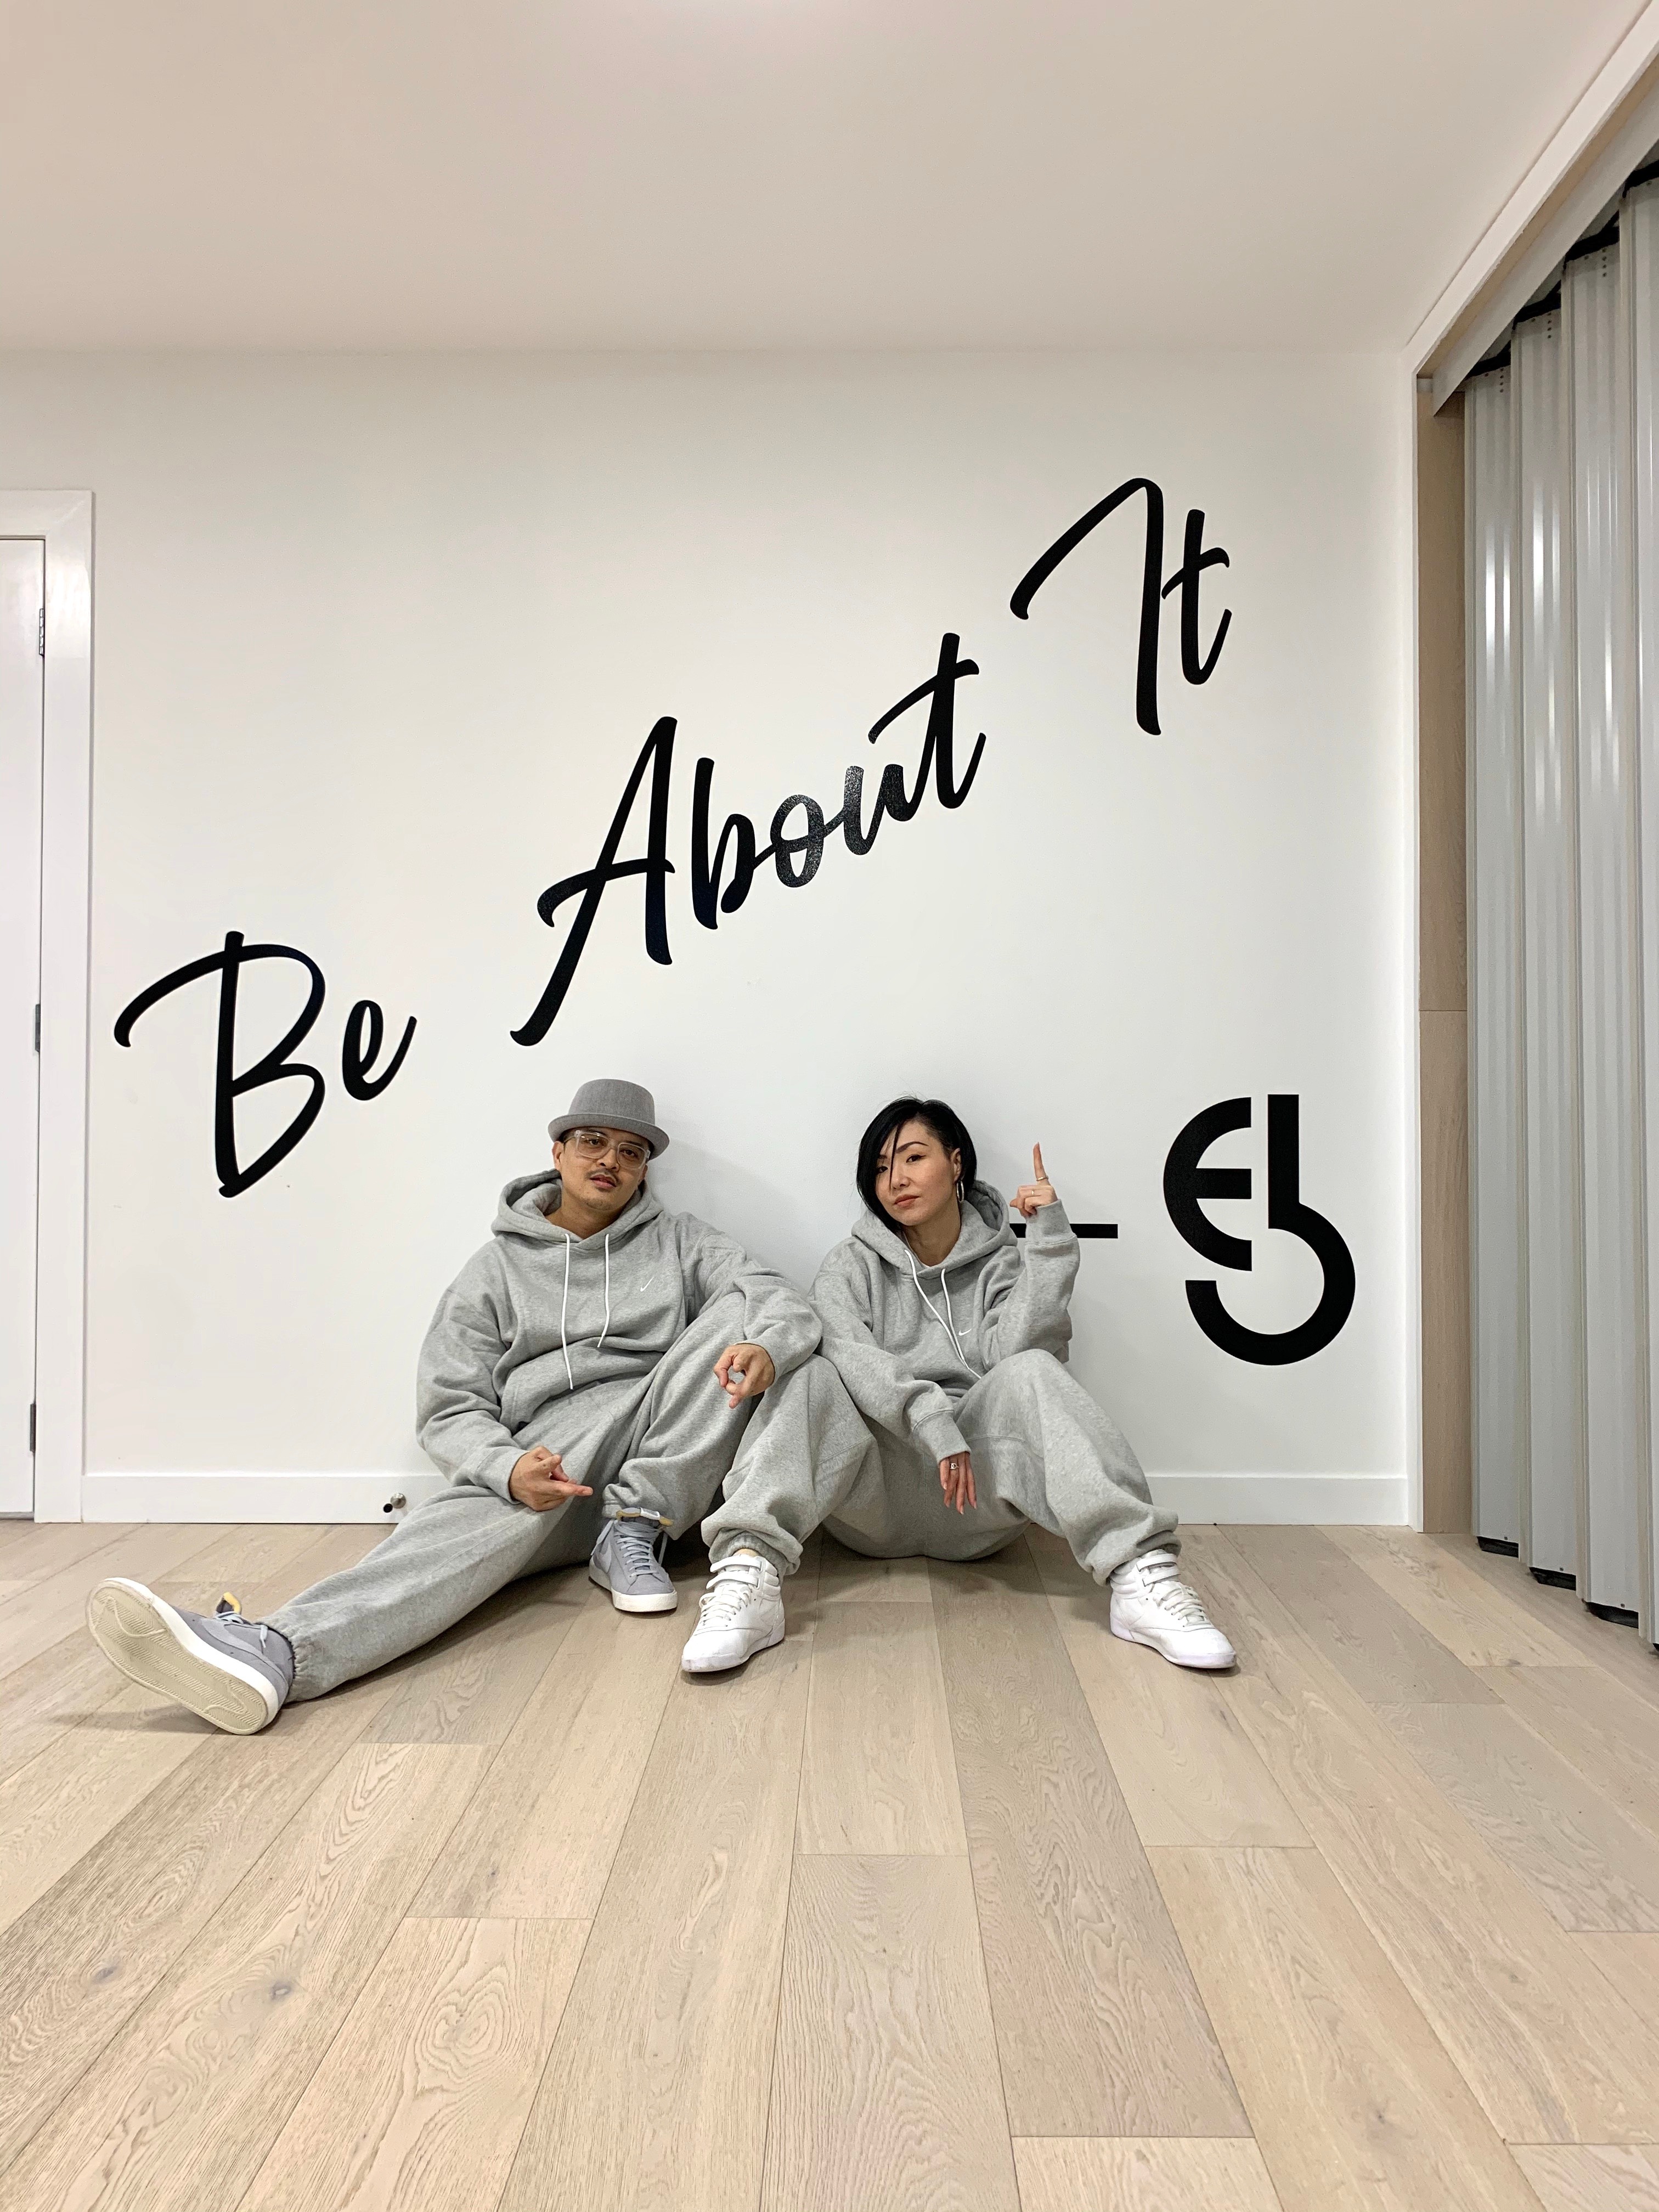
x=627, y=1562
x=235, y=1673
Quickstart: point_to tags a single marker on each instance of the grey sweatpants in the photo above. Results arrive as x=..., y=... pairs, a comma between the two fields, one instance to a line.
x=1043, y=1450
x=657, y=1446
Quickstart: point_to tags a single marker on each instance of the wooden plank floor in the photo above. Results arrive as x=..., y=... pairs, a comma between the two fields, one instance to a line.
x=949, y=1903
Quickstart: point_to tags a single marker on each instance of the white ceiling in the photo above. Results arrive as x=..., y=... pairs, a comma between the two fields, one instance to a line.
x=762, y=173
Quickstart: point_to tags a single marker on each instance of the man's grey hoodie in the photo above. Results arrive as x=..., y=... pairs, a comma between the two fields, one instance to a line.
x=538, y=1316
x=910, y=1340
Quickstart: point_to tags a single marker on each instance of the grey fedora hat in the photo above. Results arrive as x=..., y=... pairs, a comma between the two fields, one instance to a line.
x=612, y=1105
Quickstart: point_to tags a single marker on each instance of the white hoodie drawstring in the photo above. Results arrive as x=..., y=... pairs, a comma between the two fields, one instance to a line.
x=605, y=1331
x=564, y=1307
x=948, y=1325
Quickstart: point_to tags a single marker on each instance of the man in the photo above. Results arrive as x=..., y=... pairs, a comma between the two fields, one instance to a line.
x=588, y=1381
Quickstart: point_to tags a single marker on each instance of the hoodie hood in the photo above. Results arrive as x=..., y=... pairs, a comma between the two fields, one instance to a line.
x=985, y=1228
x=527, y=1200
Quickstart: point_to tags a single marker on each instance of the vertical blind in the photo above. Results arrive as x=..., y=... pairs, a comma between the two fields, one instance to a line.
x=1561, y=460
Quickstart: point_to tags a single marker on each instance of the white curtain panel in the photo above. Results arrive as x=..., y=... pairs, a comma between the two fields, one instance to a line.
x=1498, y=1195
x=1615, y=1325
x=1553, y=1494
x=1639, y=255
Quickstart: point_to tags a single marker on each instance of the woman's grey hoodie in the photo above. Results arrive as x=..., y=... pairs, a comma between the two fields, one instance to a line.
x=910, y=1340
x=539, y=1315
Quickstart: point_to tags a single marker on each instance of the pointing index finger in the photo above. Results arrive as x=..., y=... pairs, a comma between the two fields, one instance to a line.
x=1036, y=1163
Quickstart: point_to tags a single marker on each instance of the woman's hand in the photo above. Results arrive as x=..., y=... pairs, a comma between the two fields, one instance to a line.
x=537, y=1480
x=744, y=1370
x=1038, y=1192
x=956, y=1479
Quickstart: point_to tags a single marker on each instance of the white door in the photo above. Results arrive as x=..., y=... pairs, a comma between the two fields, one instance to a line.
x=23, y=693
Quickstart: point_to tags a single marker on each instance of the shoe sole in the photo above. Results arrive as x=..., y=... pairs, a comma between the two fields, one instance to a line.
x=766, y=1643
x=634, y=1604
x=1193, y=1666
x=157, y=1647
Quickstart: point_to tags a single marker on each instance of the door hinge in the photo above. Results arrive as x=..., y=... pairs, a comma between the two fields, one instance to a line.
x=30, y=1428
x=41, y=635
x=37, y=1025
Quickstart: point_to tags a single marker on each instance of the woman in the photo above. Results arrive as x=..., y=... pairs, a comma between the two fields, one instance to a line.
x=950, y=1344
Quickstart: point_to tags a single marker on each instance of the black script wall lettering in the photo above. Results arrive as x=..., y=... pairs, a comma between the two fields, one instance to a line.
x=658, y=755
x=357, y=1058
x=1195, y=665
x=1187, y=1185
x=274, y=1066
x=796, y=852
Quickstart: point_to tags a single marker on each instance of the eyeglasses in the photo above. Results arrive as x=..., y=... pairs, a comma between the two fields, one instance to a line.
x=594, y=1143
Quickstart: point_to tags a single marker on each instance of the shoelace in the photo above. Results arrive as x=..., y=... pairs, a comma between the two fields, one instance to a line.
x=1161, y=1581
x=639, y=1552
x=229, y=1609
x=731, y=1586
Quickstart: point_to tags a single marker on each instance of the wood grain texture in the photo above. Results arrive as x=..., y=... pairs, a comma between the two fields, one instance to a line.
x=31, y=1550
x=472, y=1684
x=537, y=1839
x=879, y=1773
x=886, y=2095
x=423, y=2094
x=1351, y=2097
x=657, y=2089
x=1374, y=1643
x=1099, y=2025
x=200, y=2082
x=1476, y=1622
x=1188, y=1770
x=1609, y=1734
x=1631, y=1963
x=1618, y=1651
x=56, y=1808
x=848, y=1578
x=258, y=1565
x=1591, y=1866
x=1551, y=2054
x=1168, y=2174
x=1591, y=2177
x=50, y=1694
x=1444, y=1138
x=79, y=1962
x=55, y=1606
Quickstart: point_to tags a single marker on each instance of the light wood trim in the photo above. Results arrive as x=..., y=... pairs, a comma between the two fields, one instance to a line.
x=1443, y=971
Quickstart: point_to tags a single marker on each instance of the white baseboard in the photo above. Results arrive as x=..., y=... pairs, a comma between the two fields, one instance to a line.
x=1293, y=1500
x=1329, y=1501
x=313, y=1497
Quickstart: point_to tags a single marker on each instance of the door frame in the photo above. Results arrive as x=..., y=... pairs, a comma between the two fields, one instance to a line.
x=63, y=521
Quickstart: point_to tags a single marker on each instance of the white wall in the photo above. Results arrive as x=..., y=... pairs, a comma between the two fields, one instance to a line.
x=376, y=644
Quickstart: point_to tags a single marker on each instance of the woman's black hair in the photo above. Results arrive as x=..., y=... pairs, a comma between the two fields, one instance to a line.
x=933, y=1113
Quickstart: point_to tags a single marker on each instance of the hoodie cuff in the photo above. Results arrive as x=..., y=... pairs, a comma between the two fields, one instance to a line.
x=492, y=1469
x=785, y=1347
x=937, y=1434
x=1048, y=1230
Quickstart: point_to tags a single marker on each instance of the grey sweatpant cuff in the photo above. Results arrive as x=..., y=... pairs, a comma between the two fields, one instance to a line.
x=735, y=1540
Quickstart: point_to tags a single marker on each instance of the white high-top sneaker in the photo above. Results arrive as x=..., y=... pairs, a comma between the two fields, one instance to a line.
x=741, y=1614
x=1152, y=1604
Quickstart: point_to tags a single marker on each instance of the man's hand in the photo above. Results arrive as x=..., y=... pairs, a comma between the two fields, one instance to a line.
x=1039, y=1191
x=744, y=1370
x=537, y=1480
x=956, y=1479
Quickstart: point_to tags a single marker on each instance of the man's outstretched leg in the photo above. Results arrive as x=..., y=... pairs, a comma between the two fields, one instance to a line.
x=453, y=1552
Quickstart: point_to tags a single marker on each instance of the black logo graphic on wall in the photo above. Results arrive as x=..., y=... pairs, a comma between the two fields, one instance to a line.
x=1186, y=1184
x=723, y=868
